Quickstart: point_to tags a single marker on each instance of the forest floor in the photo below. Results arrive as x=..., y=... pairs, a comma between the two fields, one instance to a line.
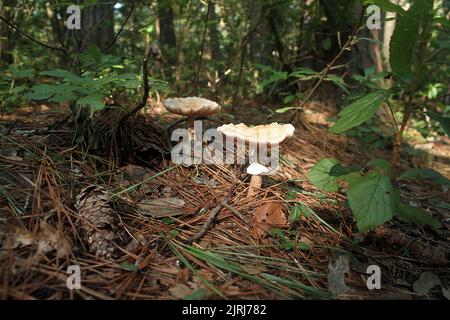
x=251, y=251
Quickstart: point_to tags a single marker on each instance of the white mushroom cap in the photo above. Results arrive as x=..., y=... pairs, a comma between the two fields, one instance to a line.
x=257, y=169
x=269, y=133
x=191, y=106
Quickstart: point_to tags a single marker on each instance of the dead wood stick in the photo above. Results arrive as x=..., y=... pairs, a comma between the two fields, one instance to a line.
x=234, y=211
x=144, y=97
x=213, y=214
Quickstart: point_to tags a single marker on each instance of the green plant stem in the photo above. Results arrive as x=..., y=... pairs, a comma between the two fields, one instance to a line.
x=330, y=65
x=398, y=138
x=424, y=38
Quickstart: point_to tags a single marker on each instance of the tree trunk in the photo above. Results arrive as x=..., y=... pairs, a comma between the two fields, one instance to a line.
x=6, y=46
x=258, y=28
x=214, y=40
x=97, y=25
x=167, y=31
x=273, y=16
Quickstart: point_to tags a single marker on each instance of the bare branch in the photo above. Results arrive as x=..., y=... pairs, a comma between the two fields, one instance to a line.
x=33, y=39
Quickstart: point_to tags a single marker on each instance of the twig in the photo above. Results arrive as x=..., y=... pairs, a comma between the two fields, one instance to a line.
x=234, y=211
x=144, y=97
x=33, y=39
x=330, y=65
x=393, y=115
x=213, y=214
x=121, y=29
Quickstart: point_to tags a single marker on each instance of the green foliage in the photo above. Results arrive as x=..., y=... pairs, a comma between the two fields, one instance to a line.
x=371, y=196
x=320, y=177
x=426, y=174
x=444, y=121
x=99, y=80
x=404, y=41
x=273, y=78
x=386, y=5
x=298, y=211
x=13, y=85
x=359, y=111
x=285, y=242
x=416, y=215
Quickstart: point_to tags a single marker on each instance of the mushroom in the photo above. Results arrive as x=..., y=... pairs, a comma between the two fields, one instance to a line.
x=271, y=134
x=192, y=107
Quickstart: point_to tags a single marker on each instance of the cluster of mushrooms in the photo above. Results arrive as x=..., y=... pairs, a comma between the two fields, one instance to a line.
x=274, y=133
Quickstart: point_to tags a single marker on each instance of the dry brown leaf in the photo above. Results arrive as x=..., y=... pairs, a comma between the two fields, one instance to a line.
x=254, y=269
x=162, y=207
x=180, y=291
x=269, y=215
x=47, y=239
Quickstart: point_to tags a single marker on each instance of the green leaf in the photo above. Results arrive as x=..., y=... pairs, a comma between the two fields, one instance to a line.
x=43, y=91
x=301, y=72
x=382, y=165
x=338, y=81
x=129, y=266
x=64, y=96
x=372, y=200
x=320, y=176
x=297, y=211
x=442, y=20
x=404, y=41
x=359, y=111
x=444, y=121
x=326, y=44
x=283, y=110
x=416, y=215
x=275, y=77
x=93, y=100
x=20, y=73
x=66, y=75
x=426, y=174
x=386, y=5
x=339, y=170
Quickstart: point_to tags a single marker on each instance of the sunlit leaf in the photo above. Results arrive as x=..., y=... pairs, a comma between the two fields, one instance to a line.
x=371, y=198
x=359, y=111
x=320, y=176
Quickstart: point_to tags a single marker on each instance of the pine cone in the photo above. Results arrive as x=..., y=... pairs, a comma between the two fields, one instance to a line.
x=97, y=220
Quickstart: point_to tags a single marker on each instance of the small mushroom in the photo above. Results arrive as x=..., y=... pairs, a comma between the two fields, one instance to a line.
x=192, y=107
x=256, y=170
x=271, y=134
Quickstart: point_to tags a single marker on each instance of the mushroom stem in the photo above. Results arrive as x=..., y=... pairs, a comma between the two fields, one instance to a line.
x=255, y=185
x=190, y=123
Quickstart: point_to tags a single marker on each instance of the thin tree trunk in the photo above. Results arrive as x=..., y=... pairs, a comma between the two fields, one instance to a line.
x=214, y=39
x=167, y=31
x=97, y=25
x=6, y=45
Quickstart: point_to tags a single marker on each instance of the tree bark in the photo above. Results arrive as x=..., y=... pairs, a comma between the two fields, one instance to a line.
x=214, y=36
x=167, y=31
x=6, y=46
x=97, y=26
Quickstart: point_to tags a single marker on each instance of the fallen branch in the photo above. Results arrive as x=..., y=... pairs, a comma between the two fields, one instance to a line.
x=215, y=211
